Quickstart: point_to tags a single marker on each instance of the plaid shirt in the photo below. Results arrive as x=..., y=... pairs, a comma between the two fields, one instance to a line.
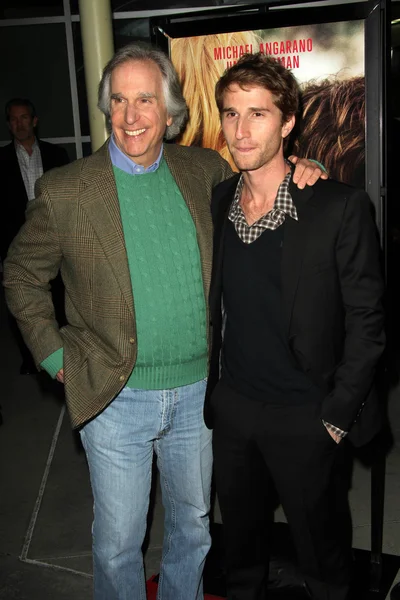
x=31, y=166
x=283, y=207
x=272, y=220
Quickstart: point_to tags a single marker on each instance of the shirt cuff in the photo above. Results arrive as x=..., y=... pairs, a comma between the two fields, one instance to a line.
x=321, y=166
x=53, y=363
x=334, y=429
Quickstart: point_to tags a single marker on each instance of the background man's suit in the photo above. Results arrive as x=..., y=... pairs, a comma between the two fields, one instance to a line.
x=14, y=201
x=14, y=198
x=331, y=290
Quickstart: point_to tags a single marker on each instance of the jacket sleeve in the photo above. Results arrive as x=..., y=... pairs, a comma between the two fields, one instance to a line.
x=54, y=363
x=33, y=260
x=361, y=284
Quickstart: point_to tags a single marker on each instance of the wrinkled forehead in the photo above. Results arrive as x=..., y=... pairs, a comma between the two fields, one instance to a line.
x=134, y=71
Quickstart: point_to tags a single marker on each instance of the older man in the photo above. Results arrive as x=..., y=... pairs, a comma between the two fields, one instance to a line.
x=130, y=229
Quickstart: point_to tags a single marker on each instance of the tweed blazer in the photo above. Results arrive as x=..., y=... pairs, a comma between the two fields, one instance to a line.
x=74, y=225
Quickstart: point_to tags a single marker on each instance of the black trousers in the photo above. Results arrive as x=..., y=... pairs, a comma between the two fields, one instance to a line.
x=262, y=447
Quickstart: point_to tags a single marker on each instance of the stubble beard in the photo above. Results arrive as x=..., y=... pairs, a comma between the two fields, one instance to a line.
x=250, y=163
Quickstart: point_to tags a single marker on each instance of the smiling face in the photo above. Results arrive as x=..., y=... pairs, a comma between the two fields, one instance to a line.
x=138, y=113
x=21, y=123
x=252, y=126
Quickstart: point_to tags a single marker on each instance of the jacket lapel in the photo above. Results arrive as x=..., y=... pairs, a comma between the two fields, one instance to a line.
x=222, y=202
x=99, y=200
x=188, y=178
x=295, y=240
x=15, y=174
x=46, y=158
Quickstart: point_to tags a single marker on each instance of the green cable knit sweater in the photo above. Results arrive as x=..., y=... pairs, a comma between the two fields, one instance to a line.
x=165, y=268
x=164, y=262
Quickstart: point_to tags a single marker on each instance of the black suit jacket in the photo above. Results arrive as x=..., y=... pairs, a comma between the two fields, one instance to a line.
x=332, y=299
x=13, y=193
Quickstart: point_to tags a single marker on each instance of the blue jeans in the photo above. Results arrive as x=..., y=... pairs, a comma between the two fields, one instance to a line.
x=119, y=446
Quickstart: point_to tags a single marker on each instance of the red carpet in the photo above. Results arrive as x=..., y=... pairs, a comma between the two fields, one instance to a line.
x=152, y=591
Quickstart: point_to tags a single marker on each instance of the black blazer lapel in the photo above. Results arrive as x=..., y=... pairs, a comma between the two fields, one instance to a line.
x=222, y=199
x=294, y=242
x=47, y=158
x=14, y=175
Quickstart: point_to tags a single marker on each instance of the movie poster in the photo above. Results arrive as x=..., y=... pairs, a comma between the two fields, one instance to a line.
x=328, y=62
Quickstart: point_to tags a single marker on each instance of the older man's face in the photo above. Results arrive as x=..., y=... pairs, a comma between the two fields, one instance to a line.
x=138, y=113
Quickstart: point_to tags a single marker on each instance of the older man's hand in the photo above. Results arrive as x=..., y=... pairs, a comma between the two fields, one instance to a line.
x=306, y=172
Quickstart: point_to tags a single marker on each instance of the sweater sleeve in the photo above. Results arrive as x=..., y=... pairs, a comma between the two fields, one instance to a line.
x=54, y=362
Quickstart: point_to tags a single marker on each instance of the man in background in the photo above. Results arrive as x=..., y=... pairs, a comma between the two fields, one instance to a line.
x=22, y=162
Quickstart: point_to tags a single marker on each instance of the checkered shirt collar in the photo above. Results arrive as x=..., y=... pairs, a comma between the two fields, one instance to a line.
x=283, y=206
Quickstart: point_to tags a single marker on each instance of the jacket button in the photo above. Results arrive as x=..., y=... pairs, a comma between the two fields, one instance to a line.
x=121, y=377
x=131, y=340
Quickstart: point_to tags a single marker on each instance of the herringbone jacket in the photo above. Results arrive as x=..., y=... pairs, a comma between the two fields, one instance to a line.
x=74, y=226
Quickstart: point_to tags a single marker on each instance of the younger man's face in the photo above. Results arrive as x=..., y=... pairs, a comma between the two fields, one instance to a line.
x=252, y=126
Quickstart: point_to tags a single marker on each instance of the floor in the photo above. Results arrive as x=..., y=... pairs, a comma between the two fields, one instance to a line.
x=46, y=503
